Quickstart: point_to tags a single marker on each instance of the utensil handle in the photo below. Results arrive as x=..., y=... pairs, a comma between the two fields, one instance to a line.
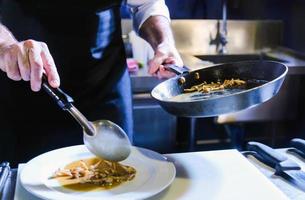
x=298, y=147
x=177, y=70
x=64, y=101
x=82, y=120
x=4, y=173
x=258, y=157
x=273, y=158
x=299, y=144
x=60, y=97
x=267, y=153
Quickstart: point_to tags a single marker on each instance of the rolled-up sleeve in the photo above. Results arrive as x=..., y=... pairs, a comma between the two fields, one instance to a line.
x=141, y=10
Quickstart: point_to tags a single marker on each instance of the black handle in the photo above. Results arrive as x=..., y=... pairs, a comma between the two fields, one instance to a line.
x=61, y=98
x=298, y=147
x=259, y=157
x=274, y=159
x=299, y=144
x=4, y=173
x=267, y=153
x=177, y=70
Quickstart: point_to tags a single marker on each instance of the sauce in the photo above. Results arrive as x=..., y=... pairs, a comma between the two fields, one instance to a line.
x=77, y=184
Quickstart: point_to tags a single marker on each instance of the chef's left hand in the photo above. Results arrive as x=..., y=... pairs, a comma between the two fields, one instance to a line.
x=164, y=54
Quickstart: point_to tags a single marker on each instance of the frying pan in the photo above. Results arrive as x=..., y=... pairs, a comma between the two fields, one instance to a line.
x=264, y=80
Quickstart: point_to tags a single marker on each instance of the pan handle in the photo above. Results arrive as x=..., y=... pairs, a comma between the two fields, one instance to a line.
x=177, y=70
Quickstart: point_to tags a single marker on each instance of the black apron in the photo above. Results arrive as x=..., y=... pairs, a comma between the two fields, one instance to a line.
x=84, y=38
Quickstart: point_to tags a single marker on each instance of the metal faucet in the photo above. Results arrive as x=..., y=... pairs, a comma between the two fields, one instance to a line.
x=221, y=36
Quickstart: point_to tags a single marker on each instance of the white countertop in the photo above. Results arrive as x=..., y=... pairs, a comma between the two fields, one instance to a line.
x=218, y=175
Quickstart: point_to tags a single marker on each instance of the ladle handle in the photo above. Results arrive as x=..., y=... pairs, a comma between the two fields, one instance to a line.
x=61, y=98
x=64, y=101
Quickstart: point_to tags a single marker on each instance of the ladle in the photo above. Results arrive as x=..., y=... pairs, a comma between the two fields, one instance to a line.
x=103, y=138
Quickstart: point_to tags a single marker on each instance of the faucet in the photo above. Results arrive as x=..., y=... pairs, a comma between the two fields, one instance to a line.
x=221, y=36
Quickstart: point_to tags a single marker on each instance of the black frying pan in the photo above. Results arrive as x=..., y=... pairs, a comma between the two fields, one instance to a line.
x=264, y=79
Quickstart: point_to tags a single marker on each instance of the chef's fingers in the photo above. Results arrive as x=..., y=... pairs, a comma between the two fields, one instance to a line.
x=24, y=63
x=49, y=66
x=11, y=62
x=164, y=73
x=36, y=63
x=170, y=60
x=155, y=63
x=2, y=61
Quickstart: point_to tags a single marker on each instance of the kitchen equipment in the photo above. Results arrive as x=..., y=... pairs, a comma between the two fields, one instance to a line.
x=154, y=174
x=103, y=138
x=4, y=173
x=264, y=79
x=284, y=167
x=298, y=147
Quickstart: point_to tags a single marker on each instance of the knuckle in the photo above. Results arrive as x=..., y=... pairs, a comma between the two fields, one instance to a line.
x=9, y=57
x=14, y=49
x=43, y=45
x=49, y=64
x=29, y=43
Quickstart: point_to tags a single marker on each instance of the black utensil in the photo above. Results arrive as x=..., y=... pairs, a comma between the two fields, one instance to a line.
x=298, y=147
x=284, y=167
x=4, y=173
x=103, y=138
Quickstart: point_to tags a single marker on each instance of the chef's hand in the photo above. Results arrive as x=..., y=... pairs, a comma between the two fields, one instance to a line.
x=28, y=60
x=164, y=54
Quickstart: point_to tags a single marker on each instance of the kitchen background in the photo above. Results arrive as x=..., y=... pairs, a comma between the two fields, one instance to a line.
x=260, y=29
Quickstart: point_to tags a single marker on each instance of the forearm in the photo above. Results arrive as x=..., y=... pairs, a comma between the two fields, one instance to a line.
x=152, y=21
x=6, y=37
x=157, y=32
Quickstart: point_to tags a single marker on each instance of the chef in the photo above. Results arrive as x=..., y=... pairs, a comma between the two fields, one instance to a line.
x=78, y=45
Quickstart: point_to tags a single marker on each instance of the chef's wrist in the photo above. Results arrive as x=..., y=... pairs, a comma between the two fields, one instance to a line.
x=165, y=46
x=169, y=50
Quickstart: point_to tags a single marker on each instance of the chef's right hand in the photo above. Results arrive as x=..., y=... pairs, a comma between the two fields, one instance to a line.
x=28, y=60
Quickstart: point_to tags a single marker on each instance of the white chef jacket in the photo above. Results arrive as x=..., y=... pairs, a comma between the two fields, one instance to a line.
x=143, y=9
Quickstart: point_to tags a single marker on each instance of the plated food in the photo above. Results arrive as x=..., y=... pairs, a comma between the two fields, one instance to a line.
x=209, y=87
x=93, y=174
x=153, y=174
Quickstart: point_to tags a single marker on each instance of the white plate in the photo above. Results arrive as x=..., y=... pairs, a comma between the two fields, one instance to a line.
x=153, y=175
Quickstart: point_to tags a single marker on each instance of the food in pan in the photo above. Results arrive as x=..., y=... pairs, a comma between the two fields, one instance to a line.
x=208, y=87
x=93, y=174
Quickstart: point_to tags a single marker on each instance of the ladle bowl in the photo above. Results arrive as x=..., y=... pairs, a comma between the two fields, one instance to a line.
x=110, y=142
